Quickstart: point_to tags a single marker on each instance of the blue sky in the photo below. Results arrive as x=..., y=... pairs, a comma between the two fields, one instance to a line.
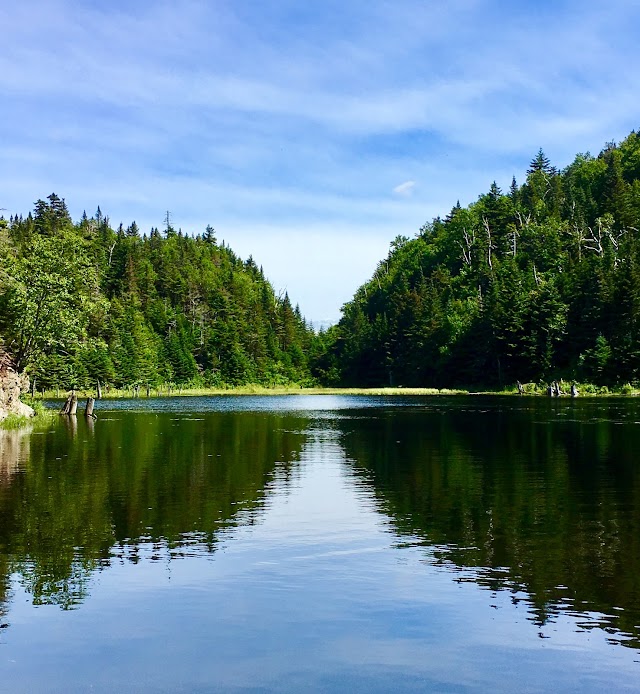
x=309, y=134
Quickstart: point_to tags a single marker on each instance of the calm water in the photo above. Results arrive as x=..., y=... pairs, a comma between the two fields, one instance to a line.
x=304, y=543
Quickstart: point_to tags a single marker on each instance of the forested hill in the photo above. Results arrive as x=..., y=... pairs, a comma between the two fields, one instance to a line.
x=538, y=282
x=81, y=302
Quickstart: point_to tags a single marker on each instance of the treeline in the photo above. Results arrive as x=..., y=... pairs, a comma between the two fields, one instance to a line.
x=539, y=282
x=82, y=302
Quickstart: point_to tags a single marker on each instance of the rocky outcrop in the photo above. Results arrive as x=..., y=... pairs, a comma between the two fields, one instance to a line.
x=12, y=384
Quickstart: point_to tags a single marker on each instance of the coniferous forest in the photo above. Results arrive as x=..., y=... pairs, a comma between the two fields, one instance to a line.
x=538, y=282
x=82, y=302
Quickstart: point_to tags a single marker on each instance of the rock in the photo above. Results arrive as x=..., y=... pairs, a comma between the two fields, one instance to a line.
x=12, y=384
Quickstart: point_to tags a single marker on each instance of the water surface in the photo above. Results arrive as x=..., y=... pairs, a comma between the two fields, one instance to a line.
x=324, y=543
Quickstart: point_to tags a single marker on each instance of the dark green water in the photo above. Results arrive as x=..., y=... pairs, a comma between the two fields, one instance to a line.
x=304, y=543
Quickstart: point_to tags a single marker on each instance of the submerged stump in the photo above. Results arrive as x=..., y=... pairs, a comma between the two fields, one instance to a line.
x=70, y=406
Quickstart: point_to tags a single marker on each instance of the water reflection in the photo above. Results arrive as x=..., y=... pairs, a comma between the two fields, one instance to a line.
x=92, y=494
x=14, y=450
x=538, y=499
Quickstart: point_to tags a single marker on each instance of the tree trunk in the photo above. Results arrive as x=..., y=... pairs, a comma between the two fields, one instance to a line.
x=88, y=410
x=99, y=391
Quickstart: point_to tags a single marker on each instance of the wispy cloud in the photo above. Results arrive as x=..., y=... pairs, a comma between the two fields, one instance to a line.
x=285, y=118
x=405, y=189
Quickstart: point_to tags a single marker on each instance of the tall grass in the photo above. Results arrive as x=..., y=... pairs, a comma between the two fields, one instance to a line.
x=249, y=389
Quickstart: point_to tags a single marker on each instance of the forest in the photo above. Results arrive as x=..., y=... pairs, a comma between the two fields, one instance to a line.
x=535, y=283
x=82, y=303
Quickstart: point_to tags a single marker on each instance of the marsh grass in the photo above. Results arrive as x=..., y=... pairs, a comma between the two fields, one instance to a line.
x=251, y=389
x=13, y=421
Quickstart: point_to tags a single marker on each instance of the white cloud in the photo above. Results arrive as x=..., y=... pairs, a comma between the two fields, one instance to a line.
x=405, y=189
x=254, y=120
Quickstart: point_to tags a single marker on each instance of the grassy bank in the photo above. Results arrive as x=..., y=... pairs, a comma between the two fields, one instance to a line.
x=42, y=416
x=537, y=389
x=251, y=389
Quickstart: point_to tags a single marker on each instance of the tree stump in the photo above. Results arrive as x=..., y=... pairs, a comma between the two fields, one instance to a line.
x=71, y=405
x=88, y=410
x=66, y=408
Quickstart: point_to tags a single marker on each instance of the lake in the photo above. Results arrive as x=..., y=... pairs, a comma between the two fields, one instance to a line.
x=324, y=543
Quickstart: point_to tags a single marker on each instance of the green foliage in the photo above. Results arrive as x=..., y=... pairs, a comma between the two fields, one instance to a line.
x=13, y=421
x=542, y=283
x=81, y=303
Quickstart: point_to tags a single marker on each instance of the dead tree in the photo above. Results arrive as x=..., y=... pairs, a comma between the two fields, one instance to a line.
x=466, y=247
x=71, y=404
x=66, y=407
x=490, y=245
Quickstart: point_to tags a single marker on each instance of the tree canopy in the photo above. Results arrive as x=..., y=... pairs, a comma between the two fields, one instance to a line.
x=81, y=302
x=542, y=282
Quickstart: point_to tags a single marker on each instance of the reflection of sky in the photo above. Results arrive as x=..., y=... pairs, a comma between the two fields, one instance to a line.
x=618, y=409
x=290, y=403
x=317, y=596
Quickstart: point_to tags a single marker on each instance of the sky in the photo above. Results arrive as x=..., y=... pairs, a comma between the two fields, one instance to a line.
x=308, y=134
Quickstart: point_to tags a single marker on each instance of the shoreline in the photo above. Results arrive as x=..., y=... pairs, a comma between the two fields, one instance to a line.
x=585, y=391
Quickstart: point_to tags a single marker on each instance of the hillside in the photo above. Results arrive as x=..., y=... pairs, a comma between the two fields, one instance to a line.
x=81, y=302
x=539, y=282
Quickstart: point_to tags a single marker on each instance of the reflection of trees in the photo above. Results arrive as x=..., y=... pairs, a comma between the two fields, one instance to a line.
x=550, y=509
x=87, y=497
x=14, y=453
